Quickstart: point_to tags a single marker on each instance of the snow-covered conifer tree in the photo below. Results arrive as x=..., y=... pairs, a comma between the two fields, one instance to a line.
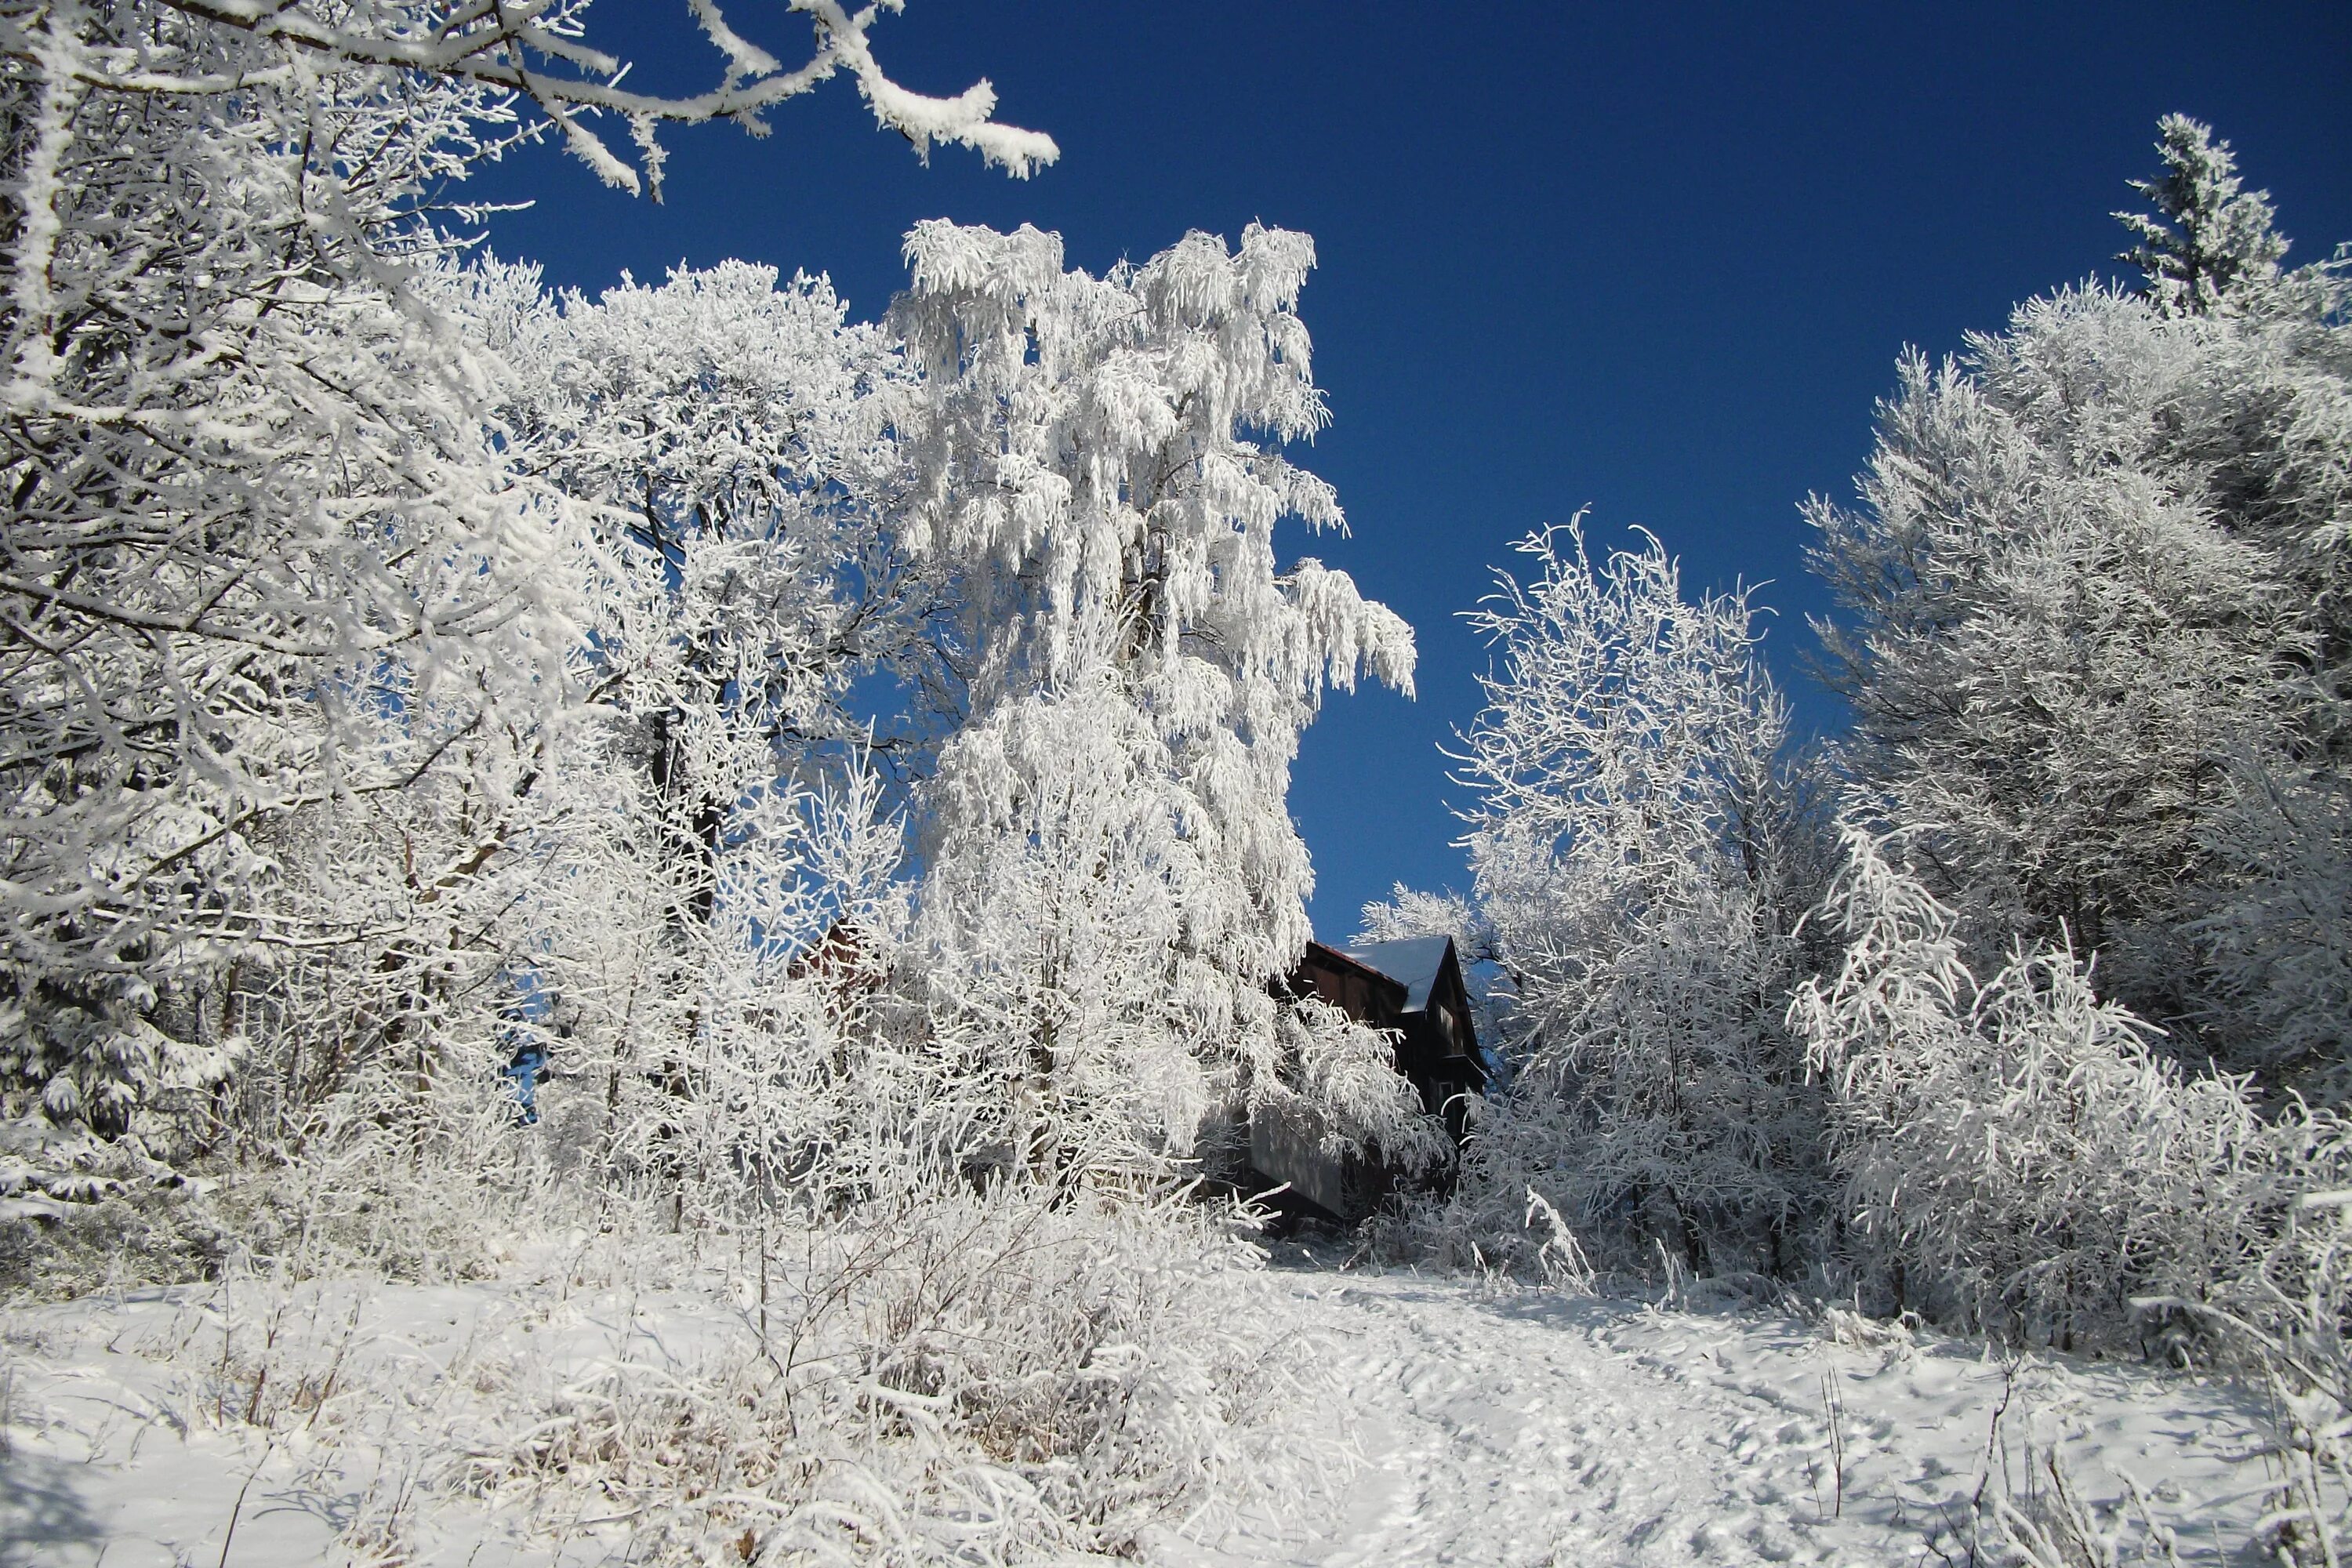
x=2209, y=236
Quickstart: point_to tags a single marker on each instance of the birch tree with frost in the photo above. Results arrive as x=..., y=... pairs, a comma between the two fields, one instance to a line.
x=1099, y=460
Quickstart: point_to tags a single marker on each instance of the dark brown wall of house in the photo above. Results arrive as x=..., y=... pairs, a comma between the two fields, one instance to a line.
x=1362, y=994
x=1441, y=1063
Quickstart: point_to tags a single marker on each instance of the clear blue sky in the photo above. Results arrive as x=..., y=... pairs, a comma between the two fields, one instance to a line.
x=1655, y=259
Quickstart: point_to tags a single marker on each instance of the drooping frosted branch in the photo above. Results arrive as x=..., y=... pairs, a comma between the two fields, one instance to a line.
x=541, y=54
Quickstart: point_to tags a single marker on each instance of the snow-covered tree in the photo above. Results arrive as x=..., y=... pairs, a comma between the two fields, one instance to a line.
x=413, y=689
x=1098, y=462
x=2094, y=616
x=2209, y=236
x=261, y=554
x=2051, y=654
x=2270, y=932
x=1642, y=859
x=1409, y=912
x=270, y=551
x=543, y=60
x=1056, y=943
x=730, y=440
x=754, y=618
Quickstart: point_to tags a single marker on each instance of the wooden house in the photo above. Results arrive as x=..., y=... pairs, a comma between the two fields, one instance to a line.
x=843, y=960
x=1413, y=988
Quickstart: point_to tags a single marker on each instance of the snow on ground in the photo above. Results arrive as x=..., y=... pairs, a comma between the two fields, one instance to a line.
x=122, y=1445
x=1496, y=1427
x=1511, y=1428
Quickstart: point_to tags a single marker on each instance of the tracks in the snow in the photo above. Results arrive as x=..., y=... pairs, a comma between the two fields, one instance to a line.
x=1511, y=1430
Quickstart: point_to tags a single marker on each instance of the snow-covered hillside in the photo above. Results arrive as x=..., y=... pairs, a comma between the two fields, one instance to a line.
x=1461, y=1424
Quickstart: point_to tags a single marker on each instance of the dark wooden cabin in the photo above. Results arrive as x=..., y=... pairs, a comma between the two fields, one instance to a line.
x=1414, y=987
x=843, y=960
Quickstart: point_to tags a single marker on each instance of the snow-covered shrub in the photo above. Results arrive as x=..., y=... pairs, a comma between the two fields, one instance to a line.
x=2015, y=1153
x=80, y=1214
x=2041, y=1514
x=991, y=1377
x=2285, y=1322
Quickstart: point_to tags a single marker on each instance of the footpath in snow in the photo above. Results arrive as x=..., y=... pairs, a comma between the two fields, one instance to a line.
x=1499, y=1427
x=1512, y=1428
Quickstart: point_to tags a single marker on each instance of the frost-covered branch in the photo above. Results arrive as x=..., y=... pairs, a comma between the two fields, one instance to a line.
x=541, y=54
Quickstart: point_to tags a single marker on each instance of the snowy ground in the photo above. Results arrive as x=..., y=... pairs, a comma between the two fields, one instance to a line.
x=1514, y=1428
x=1495, y=1428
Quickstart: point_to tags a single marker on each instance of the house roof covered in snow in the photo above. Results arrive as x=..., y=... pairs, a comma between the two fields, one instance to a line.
x=1413, y=963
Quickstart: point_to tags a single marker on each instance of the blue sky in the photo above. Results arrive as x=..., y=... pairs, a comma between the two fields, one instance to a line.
x=1654, y=260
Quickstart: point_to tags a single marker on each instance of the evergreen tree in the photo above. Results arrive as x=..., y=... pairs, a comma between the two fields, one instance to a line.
x=2208, y=237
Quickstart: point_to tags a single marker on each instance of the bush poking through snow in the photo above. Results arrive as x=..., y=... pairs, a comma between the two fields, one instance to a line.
x=2287, y=1321
x=992, y=1378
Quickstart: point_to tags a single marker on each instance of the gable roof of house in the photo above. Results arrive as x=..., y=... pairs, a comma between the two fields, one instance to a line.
x=1414, y=963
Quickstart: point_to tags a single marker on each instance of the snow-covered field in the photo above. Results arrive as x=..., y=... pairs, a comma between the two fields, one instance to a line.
x=1494, y=1427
